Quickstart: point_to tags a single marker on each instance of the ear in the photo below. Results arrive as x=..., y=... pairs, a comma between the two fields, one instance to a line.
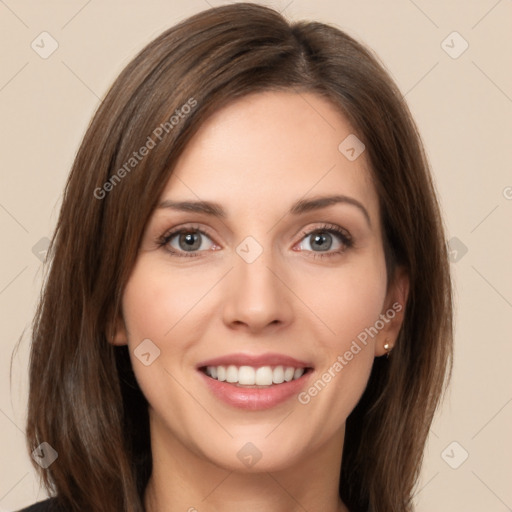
x=393, y=312
x=116, y=332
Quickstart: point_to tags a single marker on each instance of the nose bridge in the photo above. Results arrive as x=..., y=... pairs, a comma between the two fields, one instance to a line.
x=257, y=297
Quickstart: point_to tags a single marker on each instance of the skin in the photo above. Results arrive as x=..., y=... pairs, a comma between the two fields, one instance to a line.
x=256, y=157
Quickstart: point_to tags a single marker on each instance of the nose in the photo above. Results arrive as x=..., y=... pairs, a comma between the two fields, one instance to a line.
x=257, y=295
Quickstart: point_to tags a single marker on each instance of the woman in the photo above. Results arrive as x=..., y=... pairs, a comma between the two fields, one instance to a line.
x=249, y=302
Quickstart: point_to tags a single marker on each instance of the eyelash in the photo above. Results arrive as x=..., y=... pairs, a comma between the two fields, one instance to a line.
x=342, y=234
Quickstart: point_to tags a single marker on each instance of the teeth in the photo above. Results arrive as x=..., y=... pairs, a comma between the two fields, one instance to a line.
x=231, y=374
x=246, y=375
x=278, y=375
x=288, y=374
x=264, y=376
x=249, y=376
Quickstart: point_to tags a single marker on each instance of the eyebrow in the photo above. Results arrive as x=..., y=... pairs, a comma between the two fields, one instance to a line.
x=298, y=208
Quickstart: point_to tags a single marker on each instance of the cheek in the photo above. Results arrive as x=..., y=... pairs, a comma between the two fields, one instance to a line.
x=344, y=302
x=172, y=307
x=349, y=304
x=158, y=304
x=157, y=299
x=155, y=306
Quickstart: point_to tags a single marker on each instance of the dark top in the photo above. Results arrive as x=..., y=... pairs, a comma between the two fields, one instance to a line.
x=48, y=505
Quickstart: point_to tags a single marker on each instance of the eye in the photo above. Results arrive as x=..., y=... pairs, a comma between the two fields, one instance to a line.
x=185, y=241
x=190, y=241
x=322, y=239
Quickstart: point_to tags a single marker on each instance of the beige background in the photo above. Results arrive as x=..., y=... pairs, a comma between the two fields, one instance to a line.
x=463, y=107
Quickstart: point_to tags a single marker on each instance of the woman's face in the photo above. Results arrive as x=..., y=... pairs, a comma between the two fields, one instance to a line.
x=268, y=282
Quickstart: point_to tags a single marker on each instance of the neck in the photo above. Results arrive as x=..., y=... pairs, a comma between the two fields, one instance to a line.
x=182, y=480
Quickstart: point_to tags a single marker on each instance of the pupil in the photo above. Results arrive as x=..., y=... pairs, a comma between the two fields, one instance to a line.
x=191, y=241
x=321, y=238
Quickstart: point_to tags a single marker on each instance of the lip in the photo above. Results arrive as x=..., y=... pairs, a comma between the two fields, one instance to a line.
x=254, y=360
x=255, y=399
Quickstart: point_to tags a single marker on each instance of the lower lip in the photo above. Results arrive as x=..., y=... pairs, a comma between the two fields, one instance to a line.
x=255, y=399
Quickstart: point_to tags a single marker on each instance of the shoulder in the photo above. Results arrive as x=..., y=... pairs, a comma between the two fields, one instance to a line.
x=49, y=505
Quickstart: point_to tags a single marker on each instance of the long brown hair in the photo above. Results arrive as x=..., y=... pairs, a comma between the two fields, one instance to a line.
x=84, y=400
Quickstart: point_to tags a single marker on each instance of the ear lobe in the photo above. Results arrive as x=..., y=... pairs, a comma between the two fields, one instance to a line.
x=396, y=300
x=117, y=333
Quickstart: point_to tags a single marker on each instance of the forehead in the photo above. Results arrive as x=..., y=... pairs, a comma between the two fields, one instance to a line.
x=266, y=150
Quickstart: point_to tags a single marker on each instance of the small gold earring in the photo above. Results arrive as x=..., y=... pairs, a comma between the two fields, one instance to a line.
x=387, y=347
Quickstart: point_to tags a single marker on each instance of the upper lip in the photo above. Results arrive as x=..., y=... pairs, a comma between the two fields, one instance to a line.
x=256, y=361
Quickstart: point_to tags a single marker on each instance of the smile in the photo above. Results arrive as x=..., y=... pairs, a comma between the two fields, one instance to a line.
x=244, y=376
